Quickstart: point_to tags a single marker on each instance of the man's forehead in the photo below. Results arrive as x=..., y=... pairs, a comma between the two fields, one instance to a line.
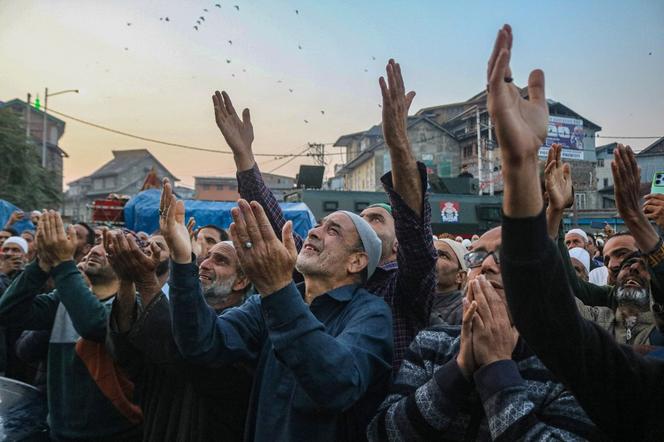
x=442, y=245
x=489, y=241
x=376, y=211
x=13, y=247
x=619, y=242
x=573, y=235
x=340, y=219
x=209, y=231
x=224, y=249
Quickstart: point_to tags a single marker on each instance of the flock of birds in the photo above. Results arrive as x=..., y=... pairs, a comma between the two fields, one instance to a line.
x=200, y=22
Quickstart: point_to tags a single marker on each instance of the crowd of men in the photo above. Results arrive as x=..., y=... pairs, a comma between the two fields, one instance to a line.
x=370, y=327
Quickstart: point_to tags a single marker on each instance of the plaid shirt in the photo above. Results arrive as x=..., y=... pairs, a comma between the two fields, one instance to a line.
x=407, y=285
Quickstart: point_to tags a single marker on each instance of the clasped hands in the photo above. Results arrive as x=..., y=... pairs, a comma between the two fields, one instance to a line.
x=487, y=334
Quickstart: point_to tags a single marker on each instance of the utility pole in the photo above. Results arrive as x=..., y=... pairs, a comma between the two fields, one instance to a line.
x=44, y=129
x=318, y=153
x=479, y=148
x=490, y=157
x=28, y=112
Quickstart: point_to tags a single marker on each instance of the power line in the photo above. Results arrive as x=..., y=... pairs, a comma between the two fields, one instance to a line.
x=168, y=143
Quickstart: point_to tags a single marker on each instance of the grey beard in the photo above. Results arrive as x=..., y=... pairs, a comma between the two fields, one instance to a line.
x=639, y=297
x=218, y=292
x=101, y=276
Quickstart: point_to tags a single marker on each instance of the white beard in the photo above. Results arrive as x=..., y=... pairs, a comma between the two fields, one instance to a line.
x=219, y=290
x=637, y=296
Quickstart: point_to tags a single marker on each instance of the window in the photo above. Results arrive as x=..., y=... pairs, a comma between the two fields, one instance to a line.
x=109, y=182
x=206, y=187
x=606, y=182
x=330, y=206
x=600, y=162
x=360, y=206
x=220, y=187
x=468, y=151
x=98, y=184
x=580, y=199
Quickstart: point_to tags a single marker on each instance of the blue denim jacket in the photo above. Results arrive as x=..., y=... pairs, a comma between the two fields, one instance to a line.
x=321, y=370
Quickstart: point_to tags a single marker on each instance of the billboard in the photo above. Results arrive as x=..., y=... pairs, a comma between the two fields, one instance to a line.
x=567, y=132
x=449, y=211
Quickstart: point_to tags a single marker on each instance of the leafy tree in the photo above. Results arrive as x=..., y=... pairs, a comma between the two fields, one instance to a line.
x=23, y=181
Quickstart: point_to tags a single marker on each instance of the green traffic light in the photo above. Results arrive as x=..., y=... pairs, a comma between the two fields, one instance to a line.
x=37, y=103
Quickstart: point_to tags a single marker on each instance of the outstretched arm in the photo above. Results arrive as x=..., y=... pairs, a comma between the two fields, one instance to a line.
x=239, y=134
x=405, y=186
x=605, y=378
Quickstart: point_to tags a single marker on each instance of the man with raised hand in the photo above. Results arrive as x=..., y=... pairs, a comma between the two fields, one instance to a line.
x=406, y=276
x=321, y=354
x=180, y=400
x=620, y=391
x=88, y=399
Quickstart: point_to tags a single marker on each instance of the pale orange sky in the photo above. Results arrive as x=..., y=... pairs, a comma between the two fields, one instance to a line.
x=160, y=87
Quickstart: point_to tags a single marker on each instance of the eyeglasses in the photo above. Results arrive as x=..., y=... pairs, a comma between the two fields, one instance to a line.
x=477, y=257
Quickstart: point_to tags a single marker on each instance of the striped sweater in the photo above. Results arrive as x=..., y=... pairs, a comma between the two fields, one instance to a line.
x=508, y=400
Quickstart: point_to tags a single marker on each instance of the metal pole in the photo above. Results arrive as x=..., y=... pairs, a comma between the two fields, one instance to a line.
x=490, y=158
x=27, y=117
x=44, y=130
x=479, y=149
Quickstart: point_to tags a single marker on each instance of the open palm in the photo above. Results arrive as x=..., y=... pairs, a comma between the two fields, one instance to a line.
x=521, y=125
x=239, y=134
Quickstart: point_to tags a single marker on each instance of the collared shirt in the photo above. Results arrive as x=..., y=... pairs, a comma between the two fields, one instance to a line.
x=407, y=285
x=320, y=370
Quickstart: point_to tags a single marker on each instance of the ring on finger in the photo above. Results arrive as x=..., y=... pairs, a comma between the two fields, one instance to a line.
x=247, y=245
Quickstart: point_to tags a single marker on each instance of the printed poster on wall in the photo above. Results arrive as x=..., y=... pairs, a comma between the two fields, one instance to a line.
x=567, y=132
x=449, y=211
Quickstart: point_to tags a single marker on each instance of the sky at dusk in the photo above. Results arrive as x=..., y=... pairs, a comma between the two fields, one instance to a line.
x=154, y=78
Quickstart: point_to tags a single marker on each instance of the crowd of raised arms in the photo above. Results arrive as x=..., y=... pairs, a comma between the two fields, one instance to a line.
x=370, y=327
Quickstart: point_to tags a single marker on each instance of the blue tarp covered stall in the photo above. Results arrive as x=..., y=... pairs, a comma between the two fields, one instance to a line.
x=141, y=213
x=6, y=210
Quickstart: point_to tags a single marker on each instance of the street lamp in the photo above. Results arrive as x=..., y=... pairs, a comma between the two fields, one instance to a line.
x=46, y=95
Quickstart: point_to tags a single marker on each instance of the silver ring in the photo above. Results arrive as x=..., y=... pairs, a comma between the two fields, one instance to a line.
x=248, y=245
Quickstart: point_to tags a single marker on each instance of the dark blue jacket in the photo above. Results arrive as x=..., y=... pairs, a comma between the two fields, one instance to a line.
x=321, y=370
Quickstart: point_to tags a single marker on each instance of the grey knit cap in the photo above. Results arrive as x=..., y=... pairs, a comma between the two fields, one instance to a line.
x=370, y=241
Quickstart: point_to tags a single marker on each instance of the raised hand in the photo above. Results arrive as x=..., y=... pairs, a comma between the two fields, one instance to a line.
x=558, y=180
x=239, y=134
x=626, y=179
x=54, y=244
x=15, y=217
x=129, y=262
x=654, y=208
x=395, y=108
x=466, y=359
x=171, y=225
x=267, y=262
x=521, y=125
x=494, y=337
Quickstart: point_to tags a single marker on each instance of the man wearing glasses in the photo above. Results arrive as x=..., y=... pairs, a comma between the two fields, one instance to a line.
x=478, y=381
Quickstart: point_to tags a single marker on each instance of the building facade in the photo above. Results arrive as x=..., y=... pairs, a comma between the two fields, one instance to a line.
x=123, y=175
x=458, y=137
x=225, y=188
x=33, y=119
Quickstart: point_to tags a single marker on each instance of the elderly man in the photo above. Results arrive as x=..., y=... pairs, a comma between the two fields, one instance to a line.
x=451, y=273
x=406, y=276
x=620, y=391
x=82, y=378
x=180, y=400
x=321, y=355
x=576, y=238
x=478, y=381
x=580, y=261
x=13, y=257
x=631, y=322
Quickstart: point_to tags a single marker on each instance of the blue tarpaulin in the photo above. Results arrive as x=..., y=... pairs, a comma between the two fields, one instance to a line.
x=6, y=210
x=141, y=213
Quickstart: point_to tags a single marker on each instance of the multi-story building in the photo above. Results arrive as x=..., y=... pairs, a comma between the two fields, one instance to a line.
x=34, y=124
x=225, y=188
x=123, y=175
x=651, y=160
x=454, y=137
